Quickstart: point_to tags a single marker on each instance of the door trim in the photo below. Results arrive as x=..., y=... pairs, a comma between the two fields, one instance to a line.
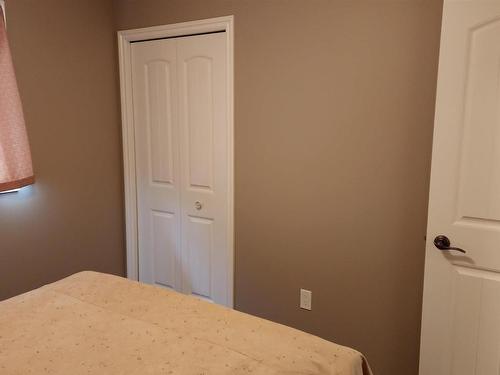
x=125, y=38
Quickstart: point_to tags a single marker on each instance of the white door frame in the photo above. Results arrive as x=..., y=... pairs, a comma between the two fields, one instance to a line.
x=125, y=37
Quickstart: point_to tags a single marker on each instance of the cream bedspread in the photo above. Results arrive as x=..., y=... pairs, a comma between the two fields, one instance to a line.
x=92, y=323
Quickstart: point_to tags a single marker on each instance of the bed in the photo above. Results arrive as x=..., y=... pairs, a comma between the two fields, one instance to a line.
x=94, y=323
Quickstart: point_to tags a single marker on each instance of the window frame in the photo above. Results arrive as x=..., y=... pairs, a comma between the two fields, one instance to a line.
x=2, y=5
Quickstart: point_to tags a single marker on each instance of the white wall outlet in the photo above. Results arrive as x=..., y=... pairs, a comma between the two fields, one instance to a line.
x=305, y=299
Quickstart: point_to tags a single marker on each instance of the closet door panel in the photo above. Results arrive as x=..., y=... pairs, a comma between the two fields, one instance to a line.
x=154, y=83
x=202, y=88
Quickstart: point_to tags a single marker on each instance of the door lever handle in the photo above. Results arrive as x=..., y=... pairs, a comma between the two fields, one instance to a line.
x=443, y=243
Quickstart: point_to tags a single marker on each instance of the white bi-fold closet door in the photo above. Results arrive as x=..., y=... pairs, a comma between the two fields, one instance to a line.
x=180, y=99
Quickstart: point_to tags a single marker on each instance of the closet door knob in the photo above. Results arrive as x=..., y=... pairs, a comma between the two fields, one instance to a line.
x=198, y=205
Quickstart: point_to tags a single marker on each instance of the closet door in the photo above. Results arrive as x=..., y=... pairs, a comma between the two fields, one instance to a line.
x=154, y=83
x=180, y=99
x=203, y=99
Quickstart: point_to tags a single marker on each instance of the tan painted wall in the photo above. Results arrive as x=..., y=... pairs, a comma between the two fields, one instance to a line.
x=334, y=113
x=334, y=108
x=72, y=218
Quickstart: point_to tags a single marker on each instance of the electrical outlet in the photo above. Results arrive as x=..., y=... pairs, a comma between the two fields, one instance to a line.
x=305, y=299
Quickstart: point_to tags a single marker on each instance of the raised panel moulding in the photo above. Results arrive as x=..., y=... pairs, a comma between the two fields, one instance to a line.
x=200, y=246
x=479, y=167
x=159, y=100
x=164, y=247
x=200, y=120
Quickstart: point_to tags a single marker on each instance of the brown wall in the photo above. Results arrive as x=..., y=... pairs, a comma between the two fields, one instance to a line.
x=334, y=113
x=334, y=108
x=72, y=218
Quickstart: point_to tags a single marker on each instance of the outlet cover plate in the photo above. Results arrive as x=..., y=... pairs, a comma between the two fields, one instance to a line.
x=305, y=299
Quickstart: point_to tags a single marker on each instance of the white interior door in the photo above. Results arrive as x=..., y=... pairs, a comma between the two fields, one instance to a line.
x=180, y=99
x=461, y=311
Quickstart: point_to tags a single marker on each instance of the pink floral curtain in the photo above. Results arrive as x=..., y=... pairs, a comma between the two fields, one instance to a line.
x=16, y=169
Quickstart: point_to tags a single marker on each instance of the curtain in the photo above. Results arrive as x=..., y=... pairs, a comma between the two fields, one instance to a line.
x=16, y=168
